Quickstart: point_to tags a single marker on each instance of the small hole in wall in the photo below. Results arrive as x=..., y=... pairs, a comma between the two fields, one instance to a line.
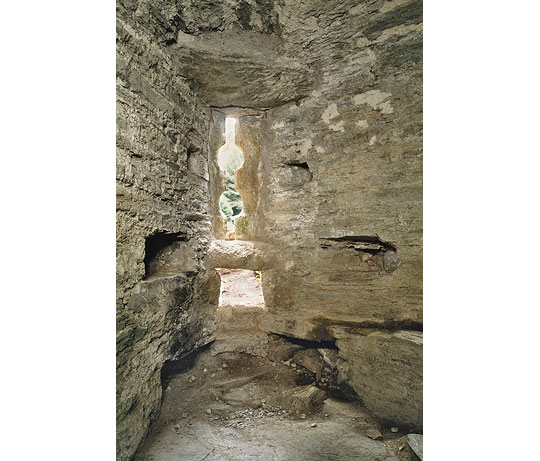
x=155, y=249
x=240, y=287
x=298, y=174
x=230, y=159
x=302, y=165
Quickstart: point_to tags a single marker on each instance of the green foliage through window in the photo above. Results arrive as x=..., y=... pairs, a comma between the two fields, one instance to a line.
x=230, y=159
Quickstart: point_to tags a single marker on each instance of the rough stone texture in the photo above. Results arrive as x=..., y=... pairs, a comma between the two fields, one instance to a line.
x=159, y=311
x=239, y=330
x=341, y=186
x=310, y=359
x=305, y=399
x=240, y=287
x=247, y=181
x=248, y=63
x=359, y=135
x=385, y=369
x=331, y=127
x=416, y=442
x=217, y=175
x=238, y=254
x=164, y=307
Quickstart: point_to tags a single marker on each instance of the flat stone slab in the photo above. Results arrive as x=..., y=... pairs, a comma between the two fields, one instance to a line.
x=241, y=254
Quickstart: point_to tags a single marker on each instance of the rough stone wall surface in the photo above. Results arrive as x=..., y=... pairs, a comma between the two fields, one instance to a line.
x=165, y=307
x=341, y=186
x=359, y=135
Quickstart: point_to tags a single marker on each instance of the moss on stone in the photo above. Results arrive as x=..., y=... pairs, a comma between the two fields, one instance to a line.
x=241, y=226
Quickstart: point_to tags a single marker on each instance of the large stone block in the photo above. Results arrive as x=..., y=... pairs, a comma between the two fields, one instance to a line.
x=385, y=370
x=237, y=254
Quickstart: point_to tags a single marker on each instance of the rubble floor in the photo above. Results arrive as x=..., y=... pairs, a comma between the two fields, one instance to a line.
x=233, y=406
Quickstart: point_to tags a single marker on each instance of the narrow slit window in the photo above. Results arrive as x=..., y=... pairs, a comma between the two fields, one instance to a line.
x=230, y=159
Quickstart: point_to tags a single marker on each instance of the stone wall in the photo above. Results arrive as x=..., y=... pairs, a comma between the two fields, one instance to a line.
x=341, y=191
x=165, y=299
x=342, y=181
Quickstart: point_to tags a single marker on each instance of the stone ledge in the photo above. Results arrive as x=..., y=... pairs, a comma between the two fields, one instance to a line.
x=240, y=254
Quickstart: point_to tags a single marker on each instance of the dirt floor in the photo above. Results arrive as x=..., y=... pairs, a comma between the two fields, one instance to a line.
x=234, y=406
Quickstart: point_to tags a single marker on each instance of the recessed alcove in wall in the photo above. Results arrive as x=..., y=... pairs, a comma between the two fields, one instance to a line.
x=240, y=287
x=168, y=253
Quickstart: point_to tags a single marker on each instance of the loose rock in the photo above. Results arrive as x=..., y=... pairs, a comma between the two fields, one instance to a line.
x=373, y=434
x=416, y=442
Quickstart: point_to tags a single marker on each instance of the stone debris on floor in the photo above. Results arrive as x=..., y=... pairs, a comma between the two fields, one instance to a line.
x=254, y=409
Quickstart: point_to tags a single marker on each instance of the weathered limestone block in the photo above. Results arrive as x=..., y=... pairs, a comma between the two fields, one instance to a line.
x=252, y=72
x=353, y=231
x=248, y=139
x=239, y=330
x=238, y=254
x=177, y=258
x=217, y=183
x=305, y=399
x=385, y=370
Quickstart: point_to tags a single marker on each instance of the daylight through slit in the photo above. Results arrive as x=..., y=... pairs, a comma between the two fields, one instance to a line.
x=230, y=159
